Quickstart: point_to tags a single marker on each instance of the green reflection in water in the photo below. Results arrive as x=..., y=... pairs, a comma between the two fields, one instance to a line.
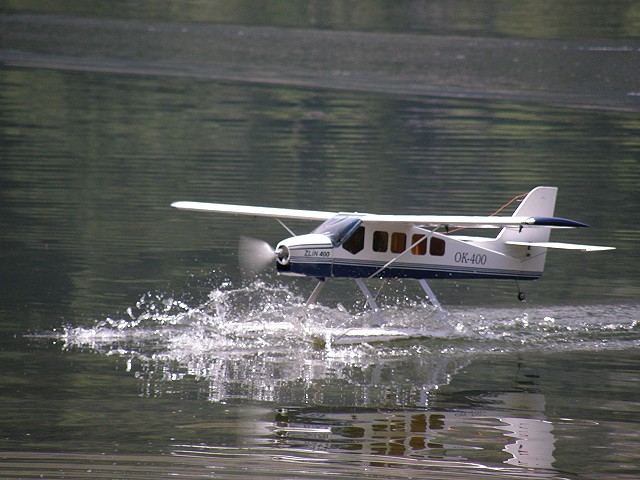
x=532, y=19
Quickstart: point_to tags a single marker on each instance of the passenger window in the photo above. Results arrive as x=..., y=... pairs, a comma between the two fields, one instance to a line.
x=419, y=248
x=355, y=243
x=380, y=241
x=437, y=247
x=398, y=242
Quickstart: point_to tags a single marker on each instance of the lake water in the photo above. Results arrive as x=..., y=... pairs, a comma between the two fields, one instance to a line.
x=132, y=347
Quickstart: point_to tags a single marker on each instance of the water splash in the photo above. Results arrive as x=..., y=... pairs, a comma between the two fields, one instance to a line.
x=259, y=342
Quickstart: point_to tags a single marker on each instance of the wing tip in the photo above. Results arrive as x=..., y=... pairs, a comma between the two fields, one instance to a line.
x=181, y=204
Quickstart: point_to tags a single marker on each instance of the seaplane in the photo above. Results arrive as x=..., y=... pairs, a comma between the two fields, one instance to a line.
x=422, y=247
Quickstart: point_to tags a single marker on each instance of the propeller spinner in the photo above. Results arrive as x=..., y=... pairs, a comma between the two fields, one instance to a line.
x=255, y=254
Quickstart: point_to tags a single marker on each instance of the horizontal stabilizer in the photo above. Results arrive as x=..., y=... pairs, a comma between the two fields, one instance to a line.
x=556, y=222
x=562, y=246
x=460, y=221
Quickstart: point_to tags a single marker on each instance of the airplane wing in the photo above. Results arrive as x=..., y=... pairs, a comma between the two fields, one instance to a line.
x=431, y=221
x=254, y=211
x=562, y=246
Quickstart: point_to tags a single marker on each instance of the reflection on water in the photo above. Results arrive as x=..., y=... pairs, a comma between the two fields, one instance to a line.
x=508, y=430
x=575, y=71
x=485, y=18
x=430, y=434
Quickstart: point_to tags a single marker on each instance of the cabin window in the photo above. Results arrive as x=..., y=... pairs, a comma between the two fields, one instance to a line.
x=419, y=248
x=398, y=242
x=380, y=241
x=355, y=243
x=436, y=248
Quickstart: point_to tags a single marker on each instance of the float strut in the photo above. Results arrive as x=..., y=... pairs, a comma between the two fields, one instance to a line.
x=370, y=300
x=430, y=295
x=316, y=291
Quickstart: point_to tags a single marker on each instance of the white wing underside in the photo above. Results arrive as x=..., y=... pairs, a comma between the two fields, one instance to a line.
x=433, y=221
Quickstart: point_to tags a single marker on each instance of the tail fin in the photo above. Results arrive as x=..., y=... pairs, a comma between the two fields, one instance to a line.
x=540, y=202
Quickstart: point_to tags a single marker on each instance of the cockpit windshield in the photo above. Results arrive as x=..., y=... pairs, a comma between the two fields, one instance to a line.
x=338, y=228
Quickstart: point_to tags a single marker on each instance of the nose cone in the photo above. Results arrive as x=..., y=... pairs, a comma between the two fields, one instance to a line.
x=307, y=255
x=282, y=254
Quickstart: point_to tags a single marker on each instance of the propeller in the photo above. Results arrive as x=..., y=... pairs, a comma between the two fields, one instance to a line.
x=255, y=254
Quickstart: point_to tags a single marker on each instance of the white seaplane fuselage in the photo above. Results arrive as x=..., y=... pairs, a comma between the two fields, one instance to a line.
x=387, y=250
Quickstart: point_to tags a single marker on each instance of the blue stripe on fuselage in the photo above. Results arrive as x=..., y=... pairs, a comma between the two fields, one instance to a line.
x=342, y=269
x=351, y=270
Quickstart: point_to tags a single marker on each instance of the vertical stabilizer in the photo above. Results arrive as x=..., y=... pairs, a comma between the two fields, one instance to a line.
x=540, y=202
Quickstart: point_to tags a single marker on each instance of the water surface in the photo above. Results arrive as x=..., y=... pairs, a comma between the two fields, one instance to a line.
x=133, y=347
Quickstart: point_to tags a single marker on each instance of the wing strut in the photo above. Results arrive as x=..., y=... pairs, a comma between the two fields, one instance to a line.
x=285, y=227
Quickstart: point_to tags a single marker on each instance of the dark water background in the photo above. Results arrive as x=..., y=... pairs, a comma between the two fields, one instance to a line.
x=131, y=346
